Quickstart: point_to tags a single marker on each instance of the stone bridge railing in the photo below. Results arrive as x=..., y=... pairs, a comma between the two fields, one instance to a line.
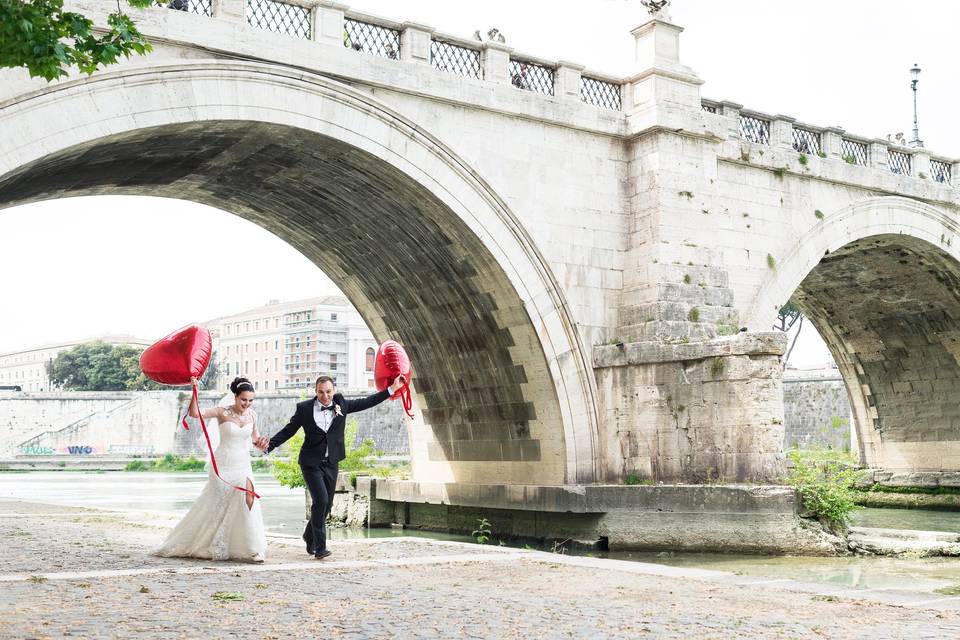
x=408, y=42
x=335, y=24
x=784, y=132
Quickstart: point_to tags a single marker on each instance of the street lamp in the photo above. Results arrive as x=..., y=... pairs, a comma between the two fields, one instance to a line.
x=914, y=79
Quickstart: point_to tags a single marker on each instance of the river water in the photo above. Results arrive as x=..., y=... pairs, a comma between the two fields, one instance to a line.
x=283, y=510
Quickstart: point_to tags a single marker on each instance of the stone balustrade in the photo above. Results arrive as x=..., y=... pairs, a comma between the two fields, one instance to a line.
x=335, y=24
x=832, y=144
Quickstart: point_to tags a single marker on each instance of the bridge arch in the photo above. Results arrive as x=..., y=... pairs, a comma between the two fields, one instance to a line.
x=880, y=279
x=424, y=248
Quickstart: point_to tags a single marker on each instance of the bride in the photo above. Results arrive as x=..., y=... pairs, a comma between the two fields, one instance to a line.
x=225, y=523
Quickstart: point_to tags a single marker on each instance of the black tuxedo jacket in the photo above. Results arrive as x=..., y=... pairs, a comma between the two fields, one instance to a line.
x=315, y=445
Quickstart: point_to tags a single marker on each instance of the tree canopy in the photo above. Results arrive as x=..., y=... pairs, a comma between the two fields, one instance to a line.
x=40, y=36
x=98, y=366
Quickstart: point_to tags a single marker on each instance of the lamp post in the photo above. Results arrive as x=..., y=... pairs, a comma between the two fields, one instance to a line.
x=914, y=79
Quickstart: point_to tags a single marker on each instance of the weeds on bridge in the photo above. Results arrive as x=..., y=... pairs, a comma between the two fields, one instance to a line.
x=483, y=532
x=826, y=483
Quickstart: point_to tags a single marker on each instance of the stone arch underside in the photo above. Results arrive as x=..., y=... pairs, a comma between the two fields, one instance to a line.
x=888, y=306
x=489, y=408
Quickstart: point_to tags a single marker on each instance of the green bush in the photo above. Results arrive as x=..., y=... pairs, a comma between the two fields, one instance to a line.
x=287, y=472
x=356, y=458
x=825, y=482
x=169, y=462
x=261, y=464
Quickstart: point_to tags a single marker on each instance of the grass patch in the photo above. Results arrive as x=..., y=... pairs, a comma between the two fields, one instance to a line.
x=693, y=315
x=818, y=214
x=169, y=462
x=228, y=596
x=771, y=262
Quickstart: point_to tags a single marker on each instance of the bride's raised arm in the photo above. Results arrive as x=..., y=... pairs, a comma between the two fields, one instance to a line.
x=194, y=412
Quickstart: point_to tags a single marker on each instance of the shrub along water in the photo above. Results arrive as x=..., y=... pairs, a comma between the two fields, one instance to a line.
x=168, y=462
x=826, y=482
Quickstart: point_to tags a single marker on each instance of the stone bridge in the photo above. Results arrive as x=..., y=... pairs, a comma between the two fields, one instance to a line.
x=584, y=268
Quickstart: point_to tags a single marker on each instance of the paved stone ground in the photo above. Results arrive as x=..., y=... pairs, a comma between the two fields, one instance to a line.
x=77, y=573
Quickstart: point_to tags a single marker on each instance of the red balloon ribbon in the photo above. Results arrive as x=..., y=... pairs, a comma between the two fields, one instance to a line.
x=406, y=398
x=213, y=459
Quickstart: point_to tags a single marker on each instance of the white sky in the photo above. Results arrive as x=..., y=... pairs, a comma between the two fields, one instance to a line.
x=81, y=267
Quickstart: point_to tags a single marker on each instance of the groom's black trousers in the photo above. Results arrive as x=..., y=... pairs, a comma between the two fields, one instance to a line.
x=321, y=480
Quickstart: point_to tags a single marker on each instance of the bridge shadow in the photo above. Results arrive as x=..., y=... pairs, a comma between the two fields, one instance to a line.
x=415, y=272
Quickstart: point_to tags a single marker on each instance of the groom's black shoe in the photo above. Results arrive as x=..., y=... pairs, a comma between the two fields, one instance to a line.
x=320, y=555
x=310, y=550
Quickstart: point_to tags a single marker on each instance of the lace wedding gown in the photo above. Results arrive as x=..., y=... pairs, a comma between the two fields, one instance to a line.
x=219, y=525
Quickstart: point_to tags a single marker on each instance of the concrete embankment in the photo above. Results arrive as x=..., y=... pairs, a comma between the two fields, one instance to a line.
x=725, y=518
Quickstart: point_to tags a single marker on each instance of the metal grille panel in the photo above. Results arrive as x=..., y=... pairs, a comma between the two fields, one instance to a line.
x=709, y=108
x=372, y=38
x=899, y=162
x=199, y=7
x=853, y=152
x=280, y=17
x=531, y=77
x=806, y=141
x=454, y=58
x=754, y=129
x=600, y=93
x=940, y=171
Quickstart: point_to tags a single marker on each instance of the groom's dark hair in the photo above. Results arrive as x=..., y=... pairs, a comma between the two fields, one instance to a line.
x=325, y=379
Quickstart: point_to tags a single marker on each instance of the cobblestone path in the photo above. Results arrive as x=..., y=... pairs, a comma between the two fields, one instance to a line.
x=86, y=574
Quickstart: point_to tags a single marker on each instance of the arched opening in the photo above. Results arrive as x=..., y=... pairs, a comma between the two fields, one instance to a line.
x=880, y=280
x=888, y=306
x=427, y=259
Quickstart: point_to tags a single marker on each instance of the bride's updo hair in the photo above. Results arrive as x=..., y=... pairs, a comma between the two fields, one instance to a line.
x=239, y=385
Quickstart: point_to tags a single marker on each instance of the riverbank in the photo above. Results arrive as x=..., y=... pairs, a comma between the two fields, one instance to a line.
x=88, y=573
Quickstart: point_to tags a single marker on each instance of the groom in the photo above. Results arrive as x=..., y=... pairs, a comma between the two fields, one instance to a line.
x=323, y=420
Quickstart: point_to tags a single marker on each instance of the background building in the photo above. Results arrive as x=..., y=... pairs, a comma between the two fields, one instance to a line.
x=287, y=345
x=28, y=368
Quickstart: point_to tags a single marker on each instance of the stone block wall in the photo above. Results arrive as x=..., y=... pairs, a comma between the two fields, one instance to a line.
x=816, y=412
x=697, y=412
x=126, y=423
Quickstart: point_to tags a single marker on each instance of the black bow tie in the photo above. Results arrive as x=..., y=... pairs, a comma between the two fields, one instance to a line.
x=322, y=408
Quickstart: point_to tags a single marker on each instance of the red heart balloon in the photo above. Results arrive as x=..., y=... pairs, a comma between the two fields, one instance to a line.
x=391, y=361
x=178, y=357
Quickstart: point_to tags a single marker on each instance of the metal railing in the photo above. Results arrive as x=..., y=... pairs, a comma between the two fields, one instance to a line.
x=940, y=171
x=199, y=7
x=600, y=93
x=709, y=107
x=753, y=129
x=531, y=76
x=854, y=152
x=899, y=162
x=371, y=38
x=806, y=141
x=280, y=17
x=455, y=58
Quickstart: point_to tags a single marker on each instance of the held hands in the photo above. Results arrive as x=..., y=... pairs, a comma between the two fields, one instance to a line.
x=262, y=443
x=397, y=384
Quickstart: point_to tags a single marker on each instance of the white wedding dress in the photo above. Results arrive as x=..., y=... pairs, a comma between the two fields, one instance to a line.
x=219, y=525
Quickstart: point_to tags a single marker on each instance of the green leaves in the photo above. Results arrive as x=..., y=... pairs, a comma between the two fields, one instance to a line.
x=826, y=484
x=98, y=366
x=42, y=38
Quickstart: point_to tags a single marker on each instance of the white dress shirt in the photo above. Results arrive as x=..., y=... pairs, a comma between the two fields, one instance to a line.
x=323, y=419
